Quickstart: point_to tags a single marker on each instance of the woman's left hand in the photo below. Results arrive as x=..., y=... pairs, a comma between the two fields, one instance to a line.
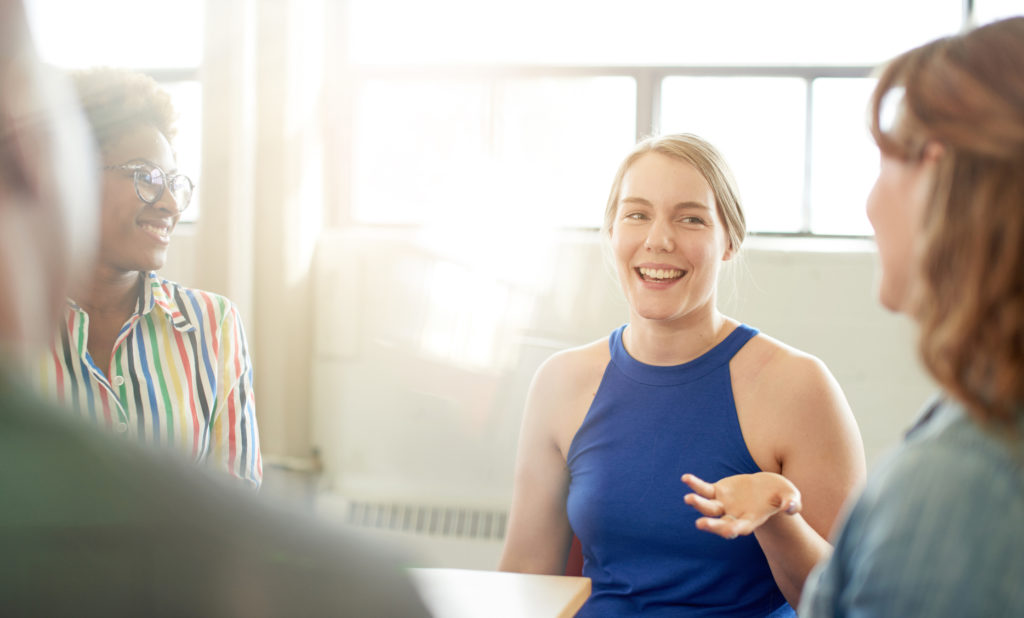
x=740, y=504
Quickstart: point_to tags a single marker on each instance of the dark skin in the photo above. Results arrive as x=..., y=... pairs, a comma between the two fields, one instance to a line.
x=134, y=237
x=109, y=306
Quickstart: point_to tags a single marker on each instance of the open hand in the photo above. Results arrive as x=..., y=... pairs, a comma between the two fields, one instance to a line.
x=740, y=504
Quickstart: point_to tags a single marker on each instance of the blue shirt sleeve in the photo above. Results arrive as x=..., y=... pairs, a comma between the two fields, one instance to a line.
x=936, y=533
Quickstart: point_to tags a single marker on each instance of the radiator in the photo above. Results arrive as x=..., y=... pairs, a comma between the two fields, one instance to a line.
x=431, y=535
x=448, y=521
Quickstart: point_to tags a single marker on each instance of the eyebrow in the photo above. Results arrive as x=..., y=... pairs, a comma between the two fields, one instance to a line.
x=679, y=206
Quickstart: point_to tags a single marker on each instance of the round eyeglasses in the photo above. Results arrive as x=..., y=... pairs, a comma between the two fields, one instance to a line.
x=150, y=181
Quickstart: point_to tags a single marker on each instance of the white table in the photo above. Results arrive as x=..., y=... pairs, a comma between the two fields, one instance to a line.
x=462, y=593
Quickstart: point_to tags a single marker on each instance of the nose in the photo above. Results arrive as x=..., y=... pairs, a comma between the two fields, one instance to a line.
x=168, y=202
x=659, y=237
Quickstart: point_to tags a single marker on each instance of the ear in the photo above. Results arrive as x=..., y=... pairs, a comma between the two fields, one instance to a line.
x=933, y=151
x=730, y=249
x=729, y=253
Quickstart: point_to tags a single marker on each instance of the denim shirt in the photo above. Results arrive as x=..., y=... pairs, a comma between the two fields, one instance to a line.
x=938, y=530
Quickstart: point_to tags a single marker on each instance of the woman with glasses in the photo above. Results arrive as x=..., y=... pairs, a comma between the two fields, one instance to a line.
x=937, y=529
x=138, y=354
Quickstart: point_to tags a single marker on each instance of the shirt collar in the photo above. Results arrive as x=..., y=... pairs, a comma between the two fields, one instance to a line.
x=156, y=294
x=926, y=416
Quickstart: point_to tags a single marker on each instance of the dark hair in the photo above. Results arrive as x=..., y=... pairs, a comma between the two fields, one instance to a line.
x=117, y=101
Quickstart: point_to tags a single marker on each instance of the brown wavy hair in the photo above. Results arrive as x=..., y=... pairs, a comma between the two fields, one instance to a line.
x=117, y=101
x=966, y=93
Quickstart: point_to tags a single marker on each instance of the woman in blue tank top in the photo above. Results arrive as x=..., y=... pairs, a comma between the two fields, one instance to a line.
x=611, y=426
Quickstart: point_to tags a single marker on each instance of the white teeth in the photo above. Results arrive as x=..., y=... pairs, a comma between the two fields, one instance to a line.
x=161, y=231
x=660, y=273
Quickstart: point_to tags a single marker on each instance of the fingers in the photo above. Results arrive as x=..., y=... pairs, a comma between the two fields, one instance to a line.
x=788, y=497
x=709, y=508
x=791, y=503
x=725, y=527
x=704, y=489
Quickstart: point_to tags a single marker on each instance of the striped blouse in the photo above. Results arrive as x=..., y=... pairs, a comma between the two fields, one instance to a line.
x=179, y=376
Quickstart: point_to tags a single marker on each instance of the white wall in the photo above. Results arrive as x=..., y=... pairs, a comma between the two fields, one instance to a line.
x=425, y=345
x=815, y=294
x=423, y=357
x=181, y=258
x=819, y=295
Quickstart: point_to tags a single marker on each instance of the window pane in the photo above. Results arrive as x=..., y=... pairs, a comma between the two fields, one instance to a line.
x=986, y=11
x=844, y=159
x=558, y=143
x=538, y=150
x=419, y=150
x=187, y=98
x=644, y=32
x=759, y=124
x=138, y=35
x=120, y=33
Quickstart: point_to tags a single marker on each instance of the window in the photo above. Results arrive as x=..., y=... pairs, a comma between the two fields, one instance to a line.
x=487, y=148
x=758, y=124
x=844, y=160
x=162, y=40
x=465, y=109
x=986, y=11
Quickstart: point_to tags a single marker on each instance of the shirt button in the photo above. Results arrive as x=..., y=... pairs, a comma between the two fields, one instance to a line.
x=118, y=380
x=122, y=427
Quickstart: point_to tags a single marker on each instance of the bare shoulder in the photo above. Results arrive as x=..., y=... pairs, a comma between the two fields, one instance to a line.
x=564, y=387
x=569, y=367
x=788, y=401
x=767, y=365
x=796, y=421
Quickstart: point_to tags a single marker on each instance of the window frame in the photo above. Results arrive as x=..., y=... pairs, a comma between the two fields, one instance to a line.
x=347, y=78
x=648, y=80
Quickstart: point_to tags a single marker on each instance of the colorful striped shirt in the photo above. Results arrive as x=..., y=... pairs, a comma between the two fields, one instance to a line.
x=179, y=376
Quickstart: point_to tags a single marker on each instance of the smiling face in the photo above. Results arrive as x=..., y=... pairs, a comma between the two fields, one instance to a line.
x=668, y=241
x=134, y=236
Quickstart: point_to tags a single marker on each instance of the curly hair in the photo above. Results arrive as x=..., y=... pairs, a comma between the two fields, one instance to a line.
x=117, y=101
x=966, y=92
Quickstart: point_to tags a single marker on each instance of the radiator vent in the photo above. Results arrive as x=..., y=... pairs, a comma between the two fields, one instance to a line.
x=446, y=521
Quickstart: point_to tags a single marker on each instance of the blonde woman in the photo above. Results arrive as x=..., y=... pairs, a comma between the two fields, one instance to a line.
x=609, y=427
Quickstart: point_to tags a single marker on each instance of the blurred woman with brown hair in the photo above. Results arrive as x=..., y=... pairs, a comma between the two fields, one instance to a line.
x=937, y=530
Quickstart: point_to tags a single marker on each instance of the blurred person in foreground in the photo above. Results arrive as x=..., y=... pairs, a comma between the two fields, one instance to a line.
x=936, y=532
x=135, y=353
x=94, y=526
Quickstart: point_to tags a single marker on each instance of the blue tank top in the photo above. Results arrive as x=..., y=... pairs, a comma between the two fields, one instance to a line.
x=641, y=549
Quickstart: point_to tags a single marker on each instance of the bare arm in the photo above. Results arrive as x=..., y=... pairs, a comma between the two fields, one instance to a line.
x=817, y=448
x=822, y=453
x=539, y=534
